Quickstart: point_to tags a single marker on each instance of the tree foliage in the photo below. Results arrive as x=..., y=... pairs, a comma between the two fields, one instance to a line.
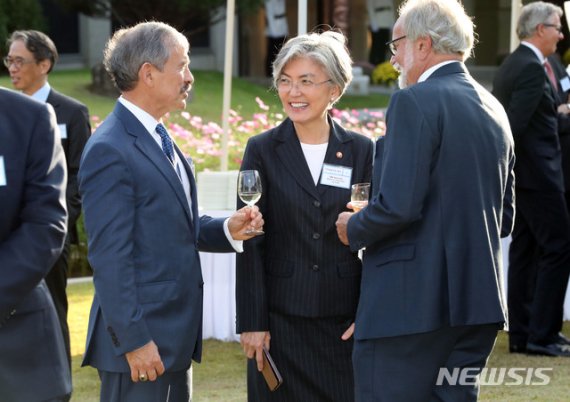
x=187, y=15
x=19, y=14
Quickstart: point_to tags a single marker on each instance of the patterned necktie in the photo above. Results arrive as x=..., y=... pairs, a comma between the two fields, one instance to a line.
x=550, y=73
x=167, y=146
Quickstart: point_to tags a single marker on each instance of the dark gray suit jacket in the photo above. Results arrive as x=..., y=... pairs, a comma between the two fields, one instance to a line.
x=143, y=247
x=75, y=116
x=33, y=363
x=299, y=267
x=523, y=88
x=444, y=197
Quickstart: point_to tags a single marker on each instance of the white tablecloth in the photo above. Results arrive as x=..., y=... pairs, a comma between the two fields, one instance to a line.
x=505, y=243
x=219, y=272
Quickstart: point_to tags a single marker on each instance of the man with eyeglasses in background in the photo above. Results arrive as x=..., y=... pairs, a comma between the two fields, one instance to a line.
x=539, y=255
x=31, y=57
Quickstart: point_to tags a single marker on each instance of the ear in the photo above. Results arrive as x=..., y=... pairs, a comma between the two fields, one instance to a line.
x=335, y=93
x=146, y=74
x=44, y=66
x=424, y=46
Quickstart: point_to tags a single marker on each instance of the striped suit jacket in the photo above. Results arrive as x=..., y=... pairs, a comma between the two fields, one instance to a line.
x=299, y=267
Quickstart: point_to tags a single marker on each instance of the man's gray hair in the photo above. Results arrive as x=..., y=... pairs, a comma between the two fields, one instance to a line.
x=534, y=14
x=146, y=42
x=328, y=49
x=444, y=21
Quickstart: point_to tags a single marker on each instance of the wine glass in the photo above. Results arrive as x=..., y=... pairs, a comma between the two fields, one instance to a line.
x=249, y=191
x=359, y=196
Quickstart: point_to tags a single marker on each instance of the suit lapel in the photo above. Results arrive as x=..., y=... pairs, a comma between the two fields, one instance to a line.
x=193, y=192
x=148, y=147
x=291, y=156
x=339, y=151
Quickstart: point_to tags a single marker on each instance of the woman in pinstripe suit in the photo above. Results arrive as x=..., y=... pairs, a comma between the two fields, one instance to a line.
x=298, y=286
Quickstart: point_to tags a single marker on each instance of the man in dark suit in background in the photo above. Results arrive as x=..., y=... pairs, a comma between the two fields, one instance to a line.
x=539, y=255
x=431, y=297
x=33, y=365
x=30, y=59
x=143, y=226
x=563, y=108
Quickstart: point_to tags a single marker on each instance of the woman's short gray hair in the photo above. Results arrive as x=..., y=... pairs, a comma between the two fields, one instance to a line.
x=444, y=21
x=129, y=48
x=534, y=14
x=328, y=49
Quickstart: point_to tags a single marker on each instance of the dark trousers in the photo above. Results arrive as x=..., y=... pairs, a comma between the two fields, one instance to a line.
x=56, y=281
x=539, y=266
x=169, y=387
x=406, y=368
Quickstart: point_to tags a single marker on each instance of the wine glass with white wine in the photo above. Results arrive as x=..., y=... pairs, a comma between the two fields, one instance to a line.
x=359, y=196
x=249, y=191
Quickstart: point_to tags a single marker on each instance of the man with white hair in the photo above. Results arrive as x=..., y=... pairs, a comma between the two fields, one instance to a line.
x=431, y=299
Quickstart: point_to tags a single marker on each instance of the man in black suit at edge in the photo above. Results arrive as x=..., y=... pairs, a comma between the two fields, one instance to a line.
x=31, y=57
x=539, y=255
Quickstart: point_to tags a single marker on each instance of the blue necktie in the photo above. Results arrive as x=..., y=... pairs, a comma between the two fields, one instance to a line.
x=167, y=146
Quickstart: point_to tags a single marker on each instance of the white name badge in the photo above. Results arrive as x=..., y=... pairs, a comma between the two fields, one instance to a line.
x=62, y=131
x=336, y=176
x=2, y=172
x=565, y=84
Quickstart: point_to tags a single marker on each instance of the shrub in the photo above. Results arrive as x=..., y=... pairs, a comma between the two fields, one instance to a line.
x=385, y=74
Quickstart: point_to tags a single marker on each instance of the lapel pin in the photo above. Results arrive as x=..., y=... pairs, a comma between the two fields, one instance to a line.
x=339, y=155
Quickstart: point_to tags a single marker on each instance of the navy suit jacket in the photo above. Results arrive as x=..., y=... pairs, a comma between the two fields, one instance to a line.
x=440, y=204
x=75, y=117
x=33, y=363
x=299, y=267
x=143, y=247
x=523, y=88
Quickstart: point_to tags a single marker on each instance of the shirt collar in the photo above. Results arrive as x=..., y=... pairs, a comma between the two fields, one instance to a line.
x=426, y=74
x=146, y=119
x=42, y=93
x=535, y=50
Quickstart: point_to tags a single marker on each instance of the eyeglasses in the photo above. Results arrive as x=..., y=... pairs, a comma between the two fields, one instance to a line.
x=557, y=27
x=392, y=45
x=285, y=84
x=17, y=61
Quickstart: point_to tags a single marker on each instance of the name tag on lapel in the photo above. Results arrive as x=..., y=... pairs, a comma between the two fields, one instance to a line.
x=336, y=176
x=565, y=84
x=2, y=172
x=62, y=131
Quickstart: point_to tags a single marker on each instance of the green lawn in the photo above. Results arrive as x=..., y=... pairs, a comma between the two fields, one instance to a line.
x=221, y=375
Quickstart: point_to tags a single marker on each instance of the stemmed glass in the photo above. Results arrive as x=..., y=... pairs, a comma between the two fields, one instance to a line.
x=359, y=196
x=249, y=191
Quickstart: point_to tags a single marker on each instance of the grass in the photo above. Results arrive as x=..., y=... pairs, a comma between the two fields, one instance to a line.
x=207, y=95
x=221, y=375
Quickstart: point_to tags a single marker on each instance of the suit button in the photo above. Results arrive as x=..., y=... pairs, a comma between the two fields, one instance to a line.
x=315, y=267
x=201, y=286
x=316, y=236
x=316, y=204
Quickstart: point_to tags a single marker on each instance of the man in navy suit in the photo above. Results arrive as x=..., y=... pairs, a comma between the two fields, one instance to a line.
x=33, y=365
x=431, y=298
x=539, y=255
x=143, y=226
x=31, y=57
